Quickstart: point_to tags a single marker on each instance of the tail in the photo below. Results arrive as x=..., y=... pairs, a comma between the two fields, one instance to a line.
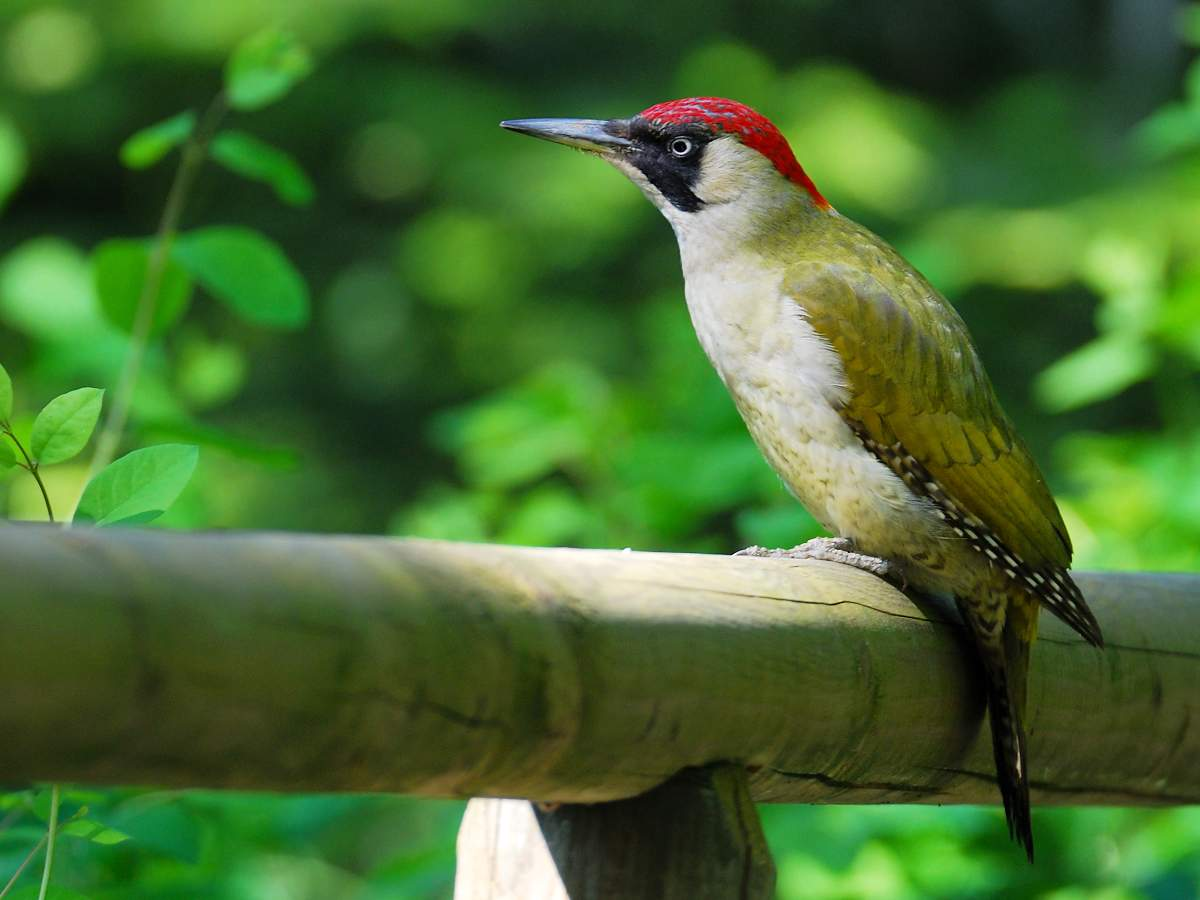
x=1008, y=746
x=1005, y=659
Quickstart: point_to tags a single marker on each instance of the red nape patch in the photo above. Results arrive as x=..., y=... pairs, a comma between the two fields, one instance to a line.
x=750, y=127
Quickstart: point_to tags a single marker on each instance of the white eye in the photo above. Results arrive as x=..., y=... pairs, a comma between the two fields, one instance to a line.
x=681, y=146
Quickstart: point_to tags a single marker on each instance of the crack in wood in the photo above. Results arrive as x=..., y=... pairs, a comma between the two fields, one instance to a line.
x=920, y=790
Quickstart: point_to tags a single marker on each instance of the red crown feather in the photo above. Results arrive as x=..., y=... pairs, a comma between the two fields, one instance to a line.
x=737, y=119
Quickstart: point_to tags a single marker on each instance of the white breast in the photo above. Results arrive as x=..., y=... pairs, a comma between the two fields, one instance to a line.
x=787, y=383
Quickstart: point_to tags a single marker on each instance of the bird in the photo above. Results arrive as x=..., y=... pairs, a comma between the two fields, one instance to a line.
x=861, y=386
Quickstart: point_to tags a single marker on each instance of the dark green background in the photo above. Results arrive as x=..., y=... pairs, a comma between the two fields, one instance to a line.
x=499, y=349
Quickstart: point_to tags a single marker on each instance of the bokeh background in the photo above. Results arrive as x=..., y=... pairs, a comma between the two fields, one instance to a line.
x=498, y=348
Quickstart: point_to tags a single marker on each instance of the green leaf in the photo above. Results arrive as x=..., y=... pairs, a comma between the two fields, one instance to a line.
x=257, y=160
x=156, y=822
x=264, y=68
x=40, y=804
x=46, y=293
x=144, y=148
x=1172, y=129
x=64, y=425
x=83, y=796
x=13, y=799
x=1094, y=372
x=119, y=272
x=1189, y=24
x=247, y=272
x=6, y=397
x=1191, y=82
x=775, y=525
x=14, y=159
x=8, y=456
x=94, y=832
x=138, y=487
x=253, y=449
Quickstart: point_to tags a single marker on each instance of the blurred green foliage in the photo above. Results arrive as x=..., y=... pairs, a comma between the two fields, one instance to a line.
x=499, y=351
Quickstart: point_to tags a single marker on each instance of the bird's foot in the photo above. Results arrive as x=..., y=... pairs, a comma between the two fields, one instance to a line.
x=839, y=550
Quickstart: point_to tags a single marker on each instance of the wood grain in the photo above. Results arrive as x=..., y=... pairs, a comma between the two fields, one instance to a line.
x=313, y=663
x=697, y=837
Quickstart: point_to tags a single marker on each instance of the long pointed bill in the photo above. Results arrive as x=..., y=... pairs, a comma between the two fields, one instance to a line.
x=595, y=135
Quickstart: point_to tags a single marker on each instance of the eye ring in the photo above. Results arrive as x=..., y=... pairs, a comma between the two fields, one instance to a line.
x=680, y=146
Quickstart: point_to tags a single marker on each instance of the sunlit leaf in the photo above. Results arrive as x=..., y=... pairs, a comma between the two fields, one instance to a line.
x=251, y=158
x=1191, y=82
x=84, y=797
x=778, y=525
x=1188, y=17
x=449, y=514
x=159, y=823
x=1096, y=371
x=6, y=395
x=46, y=292
x=528, y=430
x=119, y=270
x=94, y=832
x=247, y=272
x=13, y=159
x=1179, y=316
x=727, y=69
x=209, y=373
x=550, y=515
x=64, y=425
x=1170, y=130
x=13, y=799
x=144, y=148
x=459, y=258
x=139, y=487
x=251, y=448
x=264, y=68
x=39, y=803
x=8, y=456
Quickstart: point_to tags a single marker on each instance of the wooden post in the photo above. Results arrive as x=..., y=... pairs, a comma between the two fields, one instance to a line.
x=693, y=838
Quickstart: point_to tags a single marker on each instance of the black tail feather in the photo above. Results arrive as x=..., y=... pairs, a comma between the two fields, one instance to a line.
x=1005, y=659
x=1008, y=745
x=1059, y=593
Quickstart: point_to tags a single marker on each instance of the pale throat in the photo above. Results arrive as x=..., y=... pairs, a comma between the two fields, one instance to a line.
x=733, y=253
x=734, y=277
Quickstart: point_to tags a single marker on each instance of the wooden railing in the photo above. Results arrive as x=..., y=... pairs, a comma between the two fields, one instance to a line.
x=323, y=663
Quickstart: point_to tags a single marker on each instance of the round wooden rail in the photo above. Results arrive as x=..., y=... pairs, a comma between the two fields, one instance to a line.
x=315, y=663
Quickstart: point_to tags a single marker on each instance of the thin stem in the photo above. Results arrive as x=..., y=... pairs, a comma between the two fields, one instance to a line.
x=51, y=834
x=191, y=159
x=25, y=864
x=32, y=468
x=38, y=846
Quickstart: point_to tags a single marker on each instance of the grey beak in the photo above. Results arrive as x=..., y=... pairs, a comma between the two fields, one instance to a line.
x=596, y=135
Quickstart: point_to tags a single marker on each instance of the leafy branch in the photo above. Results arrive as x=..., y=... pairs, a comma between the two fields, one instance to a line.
x=143, y=287
x=60, y=431
x=47, y=805
x=191, y=160
x=31, y=466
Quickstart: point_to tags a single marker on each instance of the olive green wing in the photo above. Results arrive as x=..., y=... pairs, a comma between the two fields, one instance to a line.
x=918, y=390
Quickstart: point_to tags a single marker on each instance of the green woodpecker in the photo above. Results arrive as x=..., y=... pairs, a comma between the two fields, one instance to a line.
x=861, y=386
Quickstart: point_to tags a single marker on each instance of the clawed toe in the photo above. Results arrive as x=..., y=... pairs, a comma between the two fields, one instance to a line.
x=839, y=550
x=756, y=550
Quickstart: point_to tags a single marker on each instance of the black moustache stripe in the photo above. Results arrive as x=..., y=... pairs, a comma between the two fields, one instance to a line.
x=673, y=179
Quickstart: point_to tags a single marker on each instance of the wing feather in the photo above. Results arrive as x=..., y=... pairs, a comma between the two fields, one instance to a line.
x=915, y=379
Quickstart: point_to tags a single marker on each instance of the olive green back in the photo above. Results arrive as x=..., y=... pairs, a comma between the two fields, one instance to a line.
x=915, y=378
